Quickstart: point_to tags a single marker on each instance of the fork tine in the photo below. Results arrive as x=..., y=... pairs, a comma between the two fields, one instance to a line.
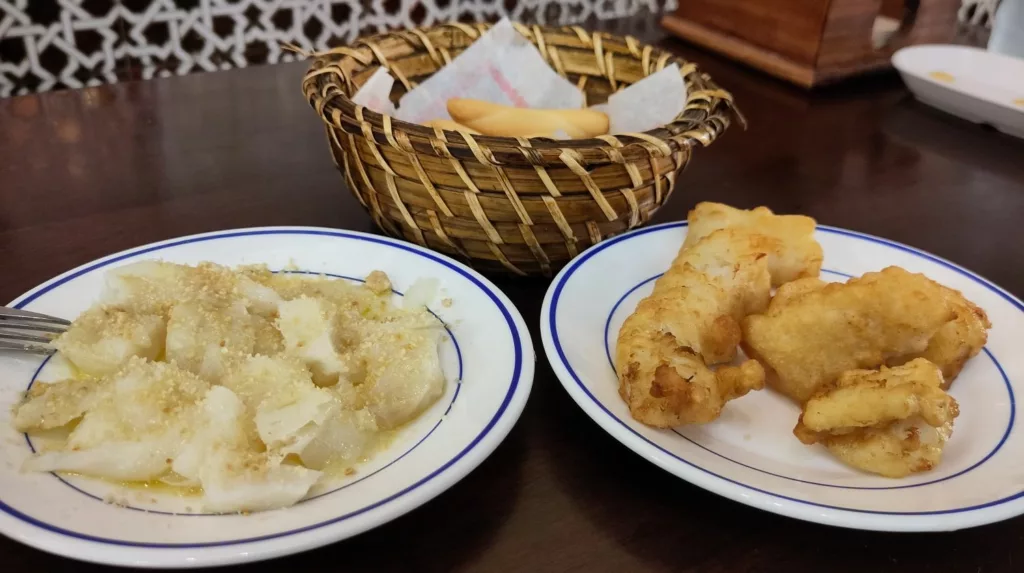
x=7, y=313
x=35, y=327
x=27, y=347
x=14, y=336
x=27, y=331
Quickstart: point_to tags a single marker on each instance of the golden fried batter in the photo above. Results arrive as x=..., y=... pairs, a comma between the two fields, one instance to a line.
x=691, y=321
x=893, y=421
x=959, y=340
x=952, y=346
x=790, y=254
x=813, y=335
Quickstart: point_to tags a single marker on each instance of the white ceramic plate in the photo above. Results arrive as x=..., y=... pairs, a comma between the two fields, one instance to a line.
x=975, y=84
x=750, y=454
x=488, y=361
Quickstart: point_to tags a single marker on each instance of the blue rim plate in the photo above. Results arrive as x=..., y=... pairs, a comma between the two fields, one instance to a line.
x=749, y=454
x=488, y=359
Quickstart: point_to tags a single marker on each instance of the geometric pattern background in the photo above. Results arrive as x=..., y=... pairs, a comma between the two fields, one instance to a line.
x=58, y=44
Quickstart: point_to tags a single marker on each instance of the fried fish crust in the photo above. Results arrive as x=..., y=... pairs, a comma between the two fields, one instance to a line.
x=792, y=253
x=958, y=341
x=892, y=421
x=692, y=321
x=813, y=332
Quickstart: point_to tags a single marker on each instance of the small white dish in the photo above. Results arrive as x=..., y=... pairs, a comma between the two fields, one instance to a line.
x=488, y=361
x=974, y=84
x=750, y=454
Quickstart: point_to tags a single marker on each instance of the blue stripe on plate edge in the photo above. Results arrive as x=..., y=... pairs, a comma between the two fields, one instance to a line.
x=575, y=264
x=999, y=445
x=516, y=374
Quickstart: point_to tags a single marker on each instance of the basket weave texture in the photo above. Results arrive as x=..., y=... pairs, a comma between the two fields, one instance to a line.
x=517, y=205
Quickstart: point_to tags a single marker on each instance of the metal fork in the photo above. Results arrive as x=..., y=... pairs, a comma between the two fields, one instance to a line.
x=29, y=331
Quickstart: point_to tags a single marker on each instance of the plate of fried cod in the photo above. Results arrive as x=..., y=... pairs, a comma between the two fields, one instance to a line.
x=805, y=370
x=246, y=394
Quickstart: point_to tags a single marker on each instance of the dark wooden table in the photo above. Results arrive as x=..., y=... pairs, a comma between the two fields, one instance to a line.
x=85, y=173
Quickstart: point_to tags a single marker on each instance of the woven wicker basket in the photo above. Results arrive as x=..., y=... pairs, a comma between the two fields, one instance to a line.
x=525, y=206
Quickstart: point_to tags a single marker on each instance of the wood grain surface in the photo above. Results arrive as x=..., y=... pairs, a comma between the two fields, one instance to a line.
x=85, y=173
x=812, y=42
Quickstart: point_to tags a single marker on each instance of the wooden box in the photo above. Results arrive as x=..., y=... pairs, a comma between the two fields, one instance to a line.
x=813, y=42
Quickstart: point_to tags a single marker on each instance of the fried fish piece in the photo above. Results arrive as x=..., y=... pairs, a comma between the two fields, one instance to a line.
x=691, y=321
x=791, y=291
x=792, y=252
x=812, y=337
x=958, y=341
x=952, y=346
x=893, y=421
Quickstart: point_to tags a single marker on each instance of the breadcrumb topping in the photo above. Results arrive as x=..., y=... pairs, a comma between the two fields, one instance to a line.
x=245, y=385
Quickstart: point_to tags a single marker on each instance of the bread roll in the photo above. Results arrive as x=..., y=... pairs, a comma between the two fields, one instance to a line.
x=500, y=120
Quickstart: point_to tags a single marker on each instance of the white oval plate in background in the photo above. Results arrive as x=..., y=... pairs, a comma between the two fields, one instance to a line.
x=750, y=454
x=982, y=87
x=488, y=361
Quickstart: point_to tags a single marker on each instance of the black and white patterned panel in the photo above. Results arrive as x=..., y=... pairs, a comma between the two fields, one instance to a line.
x=55, y=44
x=49, y=44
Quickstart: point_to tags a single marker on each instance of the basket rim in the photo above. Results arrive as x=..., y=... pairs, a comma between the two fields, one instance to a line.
x=337, y=109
